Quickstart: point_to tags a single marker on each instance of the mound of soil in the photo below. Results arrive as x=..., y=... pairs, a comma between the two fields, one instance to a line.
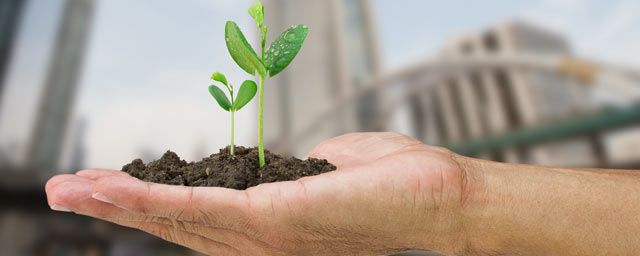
x=239, y=171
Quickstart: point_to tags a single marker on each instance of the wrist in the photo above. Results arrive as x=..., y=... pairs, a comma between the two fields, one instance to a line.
x=482, y=209
x=449, y=222
x=474, y=204
x=535, y=210
x=491, y=203
x=508, y=208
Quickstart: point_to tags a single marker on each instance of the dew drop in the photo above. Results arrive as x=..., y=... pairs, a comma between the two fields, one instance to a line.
x=290, y=37
x=281, y=62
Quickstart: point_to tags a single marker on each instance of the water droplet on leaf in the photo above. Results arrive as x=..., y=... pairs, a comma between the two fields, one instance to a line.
x=282, y=62
x=290, y=36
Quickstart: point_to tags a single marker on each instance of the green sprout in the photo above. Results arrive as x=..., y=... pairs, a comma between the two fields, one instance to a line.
x=245, y=94
x=275, y=59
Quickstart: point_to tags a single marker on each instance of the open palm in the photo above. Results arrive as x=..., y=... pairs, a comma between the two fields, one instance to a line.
x=390, y=193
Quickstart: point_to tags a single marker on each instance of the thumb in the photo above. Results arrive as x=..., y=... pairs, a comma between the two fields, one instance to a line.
x=361, y=148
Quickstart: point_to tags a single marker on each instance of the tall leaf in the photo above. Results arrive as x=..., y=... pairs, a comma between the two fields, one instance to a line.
x=247, y=91
x=284, y=49
x=241, y=51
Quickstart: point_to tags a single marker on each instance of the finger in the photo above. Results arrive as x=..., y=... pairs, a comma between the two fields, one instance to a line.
x=207, y=205
x=55, y=180
x=94, y=174
x=74, y=193
x=233, y=238
x=187, y=239
x=360, y=148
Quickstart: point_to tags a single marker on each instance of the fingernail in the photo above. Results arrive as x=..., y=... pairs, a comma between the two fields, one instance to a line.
x=101, y=197
x=60, y=208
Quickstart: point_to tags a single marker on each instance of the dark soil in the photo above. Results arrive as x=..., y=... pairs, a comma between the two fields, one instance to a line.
x=224, y=170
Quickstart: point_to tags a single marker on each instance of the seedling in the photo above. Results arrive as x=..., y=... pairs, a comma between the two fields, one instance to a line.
x=245, y=94
x=272, y=61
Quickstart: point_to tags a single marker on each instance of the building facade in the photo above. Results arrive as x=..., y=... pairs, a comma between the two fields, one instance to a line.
x=340, y=51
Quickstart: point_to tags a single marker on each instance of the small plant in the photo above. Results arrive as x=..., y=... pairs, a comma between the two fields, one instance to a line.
x=245, y=94
x=272, y=61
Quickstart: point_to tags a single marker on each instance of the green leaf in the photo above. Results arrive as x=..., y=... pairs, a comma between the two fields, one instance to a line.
x=220, y=97
x=257, y=12
x=241, y=51
x=284, y=49
x=217, y=76
x=247, y=91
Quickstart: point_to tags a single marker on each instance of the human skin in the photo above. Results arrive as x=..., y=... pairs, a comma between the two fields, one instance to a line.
x=390, y=193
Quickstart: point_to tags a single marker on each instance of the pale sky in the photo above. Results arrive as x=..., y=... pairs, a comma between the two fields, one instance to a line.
x=605, y=30
x=149, y=62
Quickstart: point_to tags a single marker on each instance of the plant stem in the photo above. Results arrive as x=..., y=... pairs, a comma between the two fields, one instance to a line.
x=260, y=137
x=232, y=119
x=263, y=37
x=232, y=129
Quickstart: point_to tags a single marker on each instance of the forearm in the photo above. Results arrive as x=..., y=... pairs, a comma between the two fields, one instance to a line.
x=533, y=210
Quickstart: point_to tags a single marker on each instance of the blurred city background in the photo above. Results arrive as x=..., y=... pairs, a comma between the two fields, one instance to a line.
x=97, y=83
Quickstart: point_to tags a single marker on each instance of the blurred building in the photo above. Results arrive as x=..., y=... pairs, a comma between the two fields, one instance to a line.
x=489, y=101
x=340, y=51
x=27, y=224
x=10, y=13
x=336, y=86
x=59, y=92
x=50, y=134
x=485, y=101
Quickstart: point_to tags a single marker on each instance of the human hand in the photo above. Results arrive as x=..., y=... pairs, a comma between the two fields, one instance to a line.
x=390, y=193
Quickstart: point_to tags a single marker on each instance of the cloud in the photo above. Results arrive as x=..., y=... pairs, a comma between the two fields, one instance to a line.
x=606, y=31
x=617, y=36
x=615, y=23
x=559, y=15
x=228, y=4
